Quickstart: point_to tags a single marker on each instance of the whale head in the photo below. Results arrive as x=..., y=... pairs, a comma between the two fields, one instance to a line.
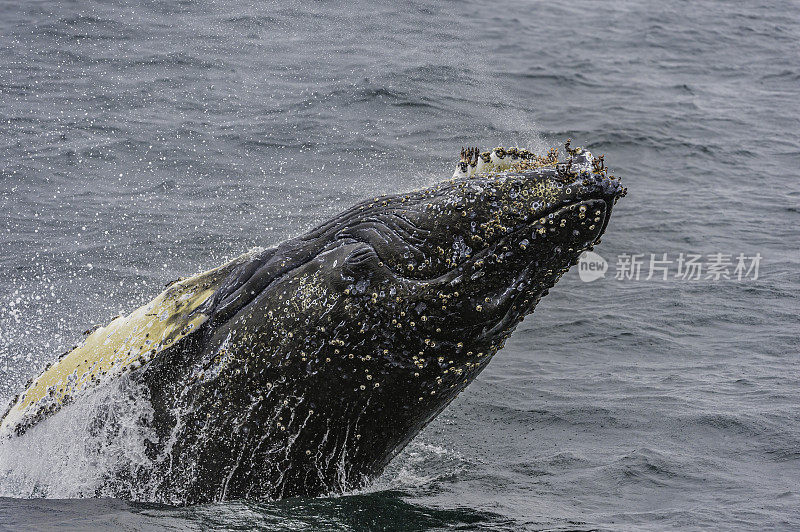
x=304, y=368
x=365, y=328
x=468, y=258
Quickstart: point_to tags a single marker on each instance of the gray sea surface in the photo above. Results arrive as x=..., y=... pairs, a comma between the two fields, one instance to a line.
x=143, y=140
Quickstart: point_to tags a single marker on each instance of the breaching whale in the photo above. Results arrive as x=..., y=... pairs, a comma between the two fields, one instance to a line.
x=303, y=369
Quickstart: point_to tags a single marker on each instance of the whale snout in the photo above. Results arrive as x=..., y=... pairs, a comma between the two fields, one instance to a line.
x=526, y=227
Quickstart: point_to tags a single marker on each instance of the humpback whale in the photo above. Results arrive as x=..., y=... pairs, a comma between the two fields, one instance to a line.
x=303, y=369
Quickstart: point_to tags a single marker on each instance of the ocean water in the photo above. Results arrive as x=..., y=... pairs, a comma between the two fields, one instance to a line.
x=143, y=140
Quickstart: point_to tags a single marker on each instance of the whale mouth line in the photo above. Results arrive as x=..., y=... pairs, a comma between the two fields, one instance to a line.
x=506, y=305
x=525, y=227
x=510, y=299
x=554, y=212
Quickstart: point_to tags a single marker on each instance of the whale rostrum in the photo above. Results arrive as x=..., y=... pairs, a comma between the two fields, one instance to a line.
x=303, y=369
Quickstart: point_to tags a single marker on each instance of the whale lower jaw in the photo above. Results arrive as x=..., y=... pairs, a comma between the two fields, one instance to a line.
x=525, y=285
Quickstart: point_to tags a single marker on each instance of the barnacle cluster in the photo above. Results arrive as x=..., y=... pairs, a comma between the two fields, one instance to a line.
x=474, y=162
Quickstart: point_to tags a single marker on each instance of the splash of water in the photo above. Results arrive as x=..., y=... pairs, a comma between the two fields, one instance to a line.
x=91, y=448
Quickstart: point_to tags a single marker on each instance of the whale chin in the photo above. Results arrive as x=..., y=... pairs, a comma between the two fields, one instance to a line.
x=541, y=258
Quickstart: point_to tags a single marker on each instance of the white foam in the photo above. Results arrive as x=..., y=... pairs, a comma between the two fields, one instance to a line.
x=70, y=454
x=420, y=464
